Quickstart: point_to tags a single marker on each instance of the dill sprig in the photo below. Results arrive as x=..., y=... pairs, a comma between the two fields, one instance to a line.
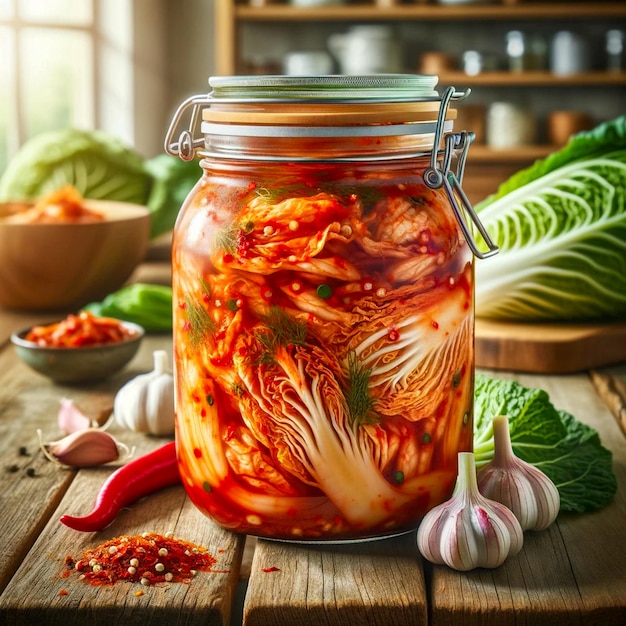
x=281, y=329
x=358, y=399
x=369, y=195
x=229, y=237
x=226, y=238
x=200, y=323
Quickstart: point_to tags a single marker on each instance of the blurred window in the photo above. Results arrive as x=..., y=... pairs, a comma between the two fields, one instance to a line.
x=47, y=69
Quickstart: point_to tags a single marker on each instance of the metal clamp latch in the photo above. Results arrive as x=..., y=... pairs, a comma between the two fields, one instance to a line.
x=435, y=178
x=454, y=190
x=187, y=143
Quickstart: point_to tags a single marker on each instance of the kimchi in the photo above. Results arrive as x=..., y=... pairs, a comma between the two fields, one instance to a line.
x=324, y=349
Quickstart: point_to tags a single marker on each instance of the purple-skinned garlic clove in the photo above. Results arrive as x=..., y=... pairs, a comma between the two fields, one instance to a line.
x=89, y=447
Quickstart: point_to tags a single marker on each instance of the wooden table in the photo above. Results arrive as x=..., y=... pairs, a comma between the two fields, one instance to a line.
x=573, y=573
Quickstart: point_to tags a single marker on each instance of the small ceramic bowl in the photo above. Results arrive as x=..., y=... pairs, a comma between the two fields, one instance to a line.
x=78, y=365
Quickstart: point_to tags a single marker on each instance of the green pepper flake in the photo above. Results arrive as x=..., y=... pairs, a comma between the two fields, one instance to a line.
x=232, y=304
x=398, y=477
x=209, y=400
x=206, y=487
x=324, y=291
x=426, y=438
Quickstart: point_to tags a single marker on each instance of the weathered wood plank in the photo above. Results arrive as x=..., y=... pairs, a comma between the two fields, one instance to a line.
x=31, y=534
x=573, y=573
x=610, y=384
x=29, y=402
x=33, y=595
x=340, y=585
x=596, y=542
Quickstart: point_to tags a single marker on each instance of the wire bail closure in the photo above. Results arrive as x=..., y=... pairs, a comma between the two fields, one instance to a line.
x=187, y=143
x=451, y=182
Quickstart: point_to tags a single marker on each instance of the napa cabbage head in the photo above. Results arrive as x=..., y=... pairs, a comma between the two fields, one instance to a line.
x=561, y=229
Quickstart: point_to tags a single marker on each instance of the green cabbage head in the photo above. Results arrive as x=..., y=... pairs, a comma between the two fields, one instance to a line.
x=102, y=167
x=97, y=164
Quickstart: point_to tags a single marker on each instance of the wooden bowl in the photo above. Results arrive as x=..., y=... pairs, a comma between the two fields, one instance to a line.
x=63, y=266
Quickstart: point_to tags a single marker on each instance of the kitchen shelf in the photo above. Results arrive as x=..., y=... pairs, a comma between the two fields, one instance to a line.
x=532, y=79
x=481, y=153
x=599, y=92
x=433, y=12
x=487, y=167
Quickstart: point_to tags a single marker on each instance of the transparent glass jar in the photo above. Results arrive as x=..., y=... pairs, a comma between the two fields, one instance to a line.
x=323, y=306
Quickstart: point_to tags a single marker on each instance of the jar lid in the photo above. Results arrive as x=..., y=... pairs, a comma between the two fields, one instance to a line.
x=327, y=106
x=315, y=103
x=346, y=88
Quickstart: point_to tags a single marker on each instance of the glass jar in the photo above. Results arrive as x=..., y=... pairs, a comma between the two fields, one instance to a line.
x=323, y=305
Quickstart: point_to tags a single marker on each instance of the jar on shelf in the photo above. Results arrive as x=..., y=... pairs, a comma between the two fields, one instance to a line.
x=525, y=52
x=569, y=54
x=509, y=125
x=615, y=50
x=323, y=304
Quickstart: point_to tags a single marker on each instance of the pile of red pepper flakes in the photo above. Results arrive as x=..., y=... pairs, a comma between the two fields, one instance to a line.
x=148, y=559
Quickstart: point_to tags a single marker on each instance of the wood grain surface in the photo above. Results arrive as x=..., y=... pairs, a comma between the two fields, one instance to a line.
x=573, y=573
x=549, y=348
x=34, y=544
x=378, y=582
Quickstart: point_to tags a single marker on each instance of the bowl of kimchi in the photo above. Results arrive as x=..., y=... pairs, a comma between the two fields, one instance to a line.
x=63, y=251
x=82, y=347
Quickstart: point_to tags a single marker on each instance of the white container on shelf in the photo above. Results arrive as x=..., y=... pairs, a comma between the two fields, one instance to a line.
x=368, y=49
x=569, y=54
x=509, y=125
x=307, y=63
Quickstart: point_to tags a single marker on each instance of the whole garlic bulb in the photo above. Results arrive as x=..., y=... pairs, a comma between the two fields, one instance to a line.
x=469, y=531
x=145, y=404
x=520, y=486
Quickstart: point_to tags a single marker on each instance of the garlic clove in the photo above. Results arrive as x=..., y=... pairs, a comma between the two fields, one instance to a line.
x=469, y=530
x=70, y=418
x=84, y=448
x=520, y=486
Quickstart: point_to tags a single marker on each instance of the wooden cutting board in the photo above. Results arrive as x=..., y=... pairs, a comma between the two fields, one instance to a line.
x=549, y=348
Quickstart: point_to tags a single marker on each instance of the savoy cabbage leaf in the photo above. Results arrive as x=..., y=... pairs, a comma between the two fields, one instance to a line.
x=569, y=452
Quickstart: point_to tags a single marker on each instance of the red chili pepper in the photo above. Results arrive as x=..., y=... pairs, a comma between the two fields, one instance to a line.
x=149, y=473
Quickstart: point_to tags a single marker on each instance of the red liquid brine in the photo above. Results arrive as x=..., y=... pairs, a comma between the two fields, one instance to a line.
x=323, y=334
